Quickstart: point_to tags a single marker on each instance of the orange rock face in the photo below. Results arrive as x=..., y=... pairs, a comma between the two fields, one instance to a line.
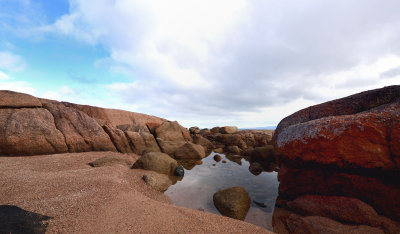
x=81, y=132
x=31, y=126
x=29, y=131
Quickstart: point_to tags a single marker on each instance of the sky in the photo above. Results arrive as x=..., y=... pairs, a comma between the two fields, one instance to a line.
x=204, y=63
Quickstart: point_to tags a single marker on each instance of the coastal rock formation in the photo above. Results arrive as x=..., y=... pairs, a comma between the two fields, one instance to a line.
x=190, y=151
x=29, y=131
x=194, y=130
x=142, y=142
x=170, y=136
x=230, y=140
x=158, y=162
x=232, y=202
x=347, y=148
x=32, y=126
x=200, y=140
x=228, y=129
x=81, y=132
x=119, y=139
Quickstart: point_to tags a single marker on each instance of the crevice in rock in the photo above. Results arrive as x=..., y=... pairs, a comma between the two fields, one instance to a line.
x=55, y=125
x=20, y=107
x=389, y=140
x=111, y=138
x=155, y=137
x=52, y=145
x=131, y=145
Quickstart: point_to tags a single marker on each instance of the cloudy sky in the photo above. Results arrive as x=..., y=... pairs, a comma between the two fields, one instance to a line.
x=205, y=63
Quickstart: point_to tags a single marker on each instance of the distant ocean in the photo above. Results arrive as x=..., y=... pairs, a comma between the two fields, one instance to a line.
x=260, y=128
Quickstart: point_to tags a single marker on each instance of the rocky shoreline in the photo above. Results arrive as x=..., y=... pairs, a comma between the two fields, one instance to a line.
x=338, y=166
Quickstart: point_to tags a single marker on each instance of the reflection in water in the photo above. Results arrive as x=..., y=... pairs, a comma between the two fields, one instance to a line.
x=201, y=181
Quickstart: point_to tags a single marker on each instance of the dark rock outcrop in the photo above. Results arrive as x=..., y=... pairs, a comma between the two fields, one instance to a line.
x=343, y=148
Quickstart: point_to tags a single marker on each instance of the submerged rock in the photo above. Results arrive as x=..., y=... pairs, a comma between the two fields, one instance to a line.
x=232, y=202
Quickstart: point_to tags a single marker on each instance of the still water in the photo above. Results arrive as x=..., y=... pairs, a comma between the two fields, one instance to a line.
x=197, y=187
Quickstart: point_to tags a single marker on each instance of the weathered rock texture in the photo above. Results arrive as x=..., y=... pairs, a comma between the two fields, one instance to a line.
x=31, y=126
x=159, y=182
x=17, y=100
x=232, y=202
x=190, y=151
x=29, y=131
x=233, y=141
x=158, y=162
x=170, y=136
x=347, y=147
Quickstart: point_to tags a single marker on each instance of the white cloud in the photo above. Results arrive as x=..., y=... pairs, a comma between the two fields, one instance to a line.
x=18, y=86
x=4, y=76
x=242, y=62
x=11, y=62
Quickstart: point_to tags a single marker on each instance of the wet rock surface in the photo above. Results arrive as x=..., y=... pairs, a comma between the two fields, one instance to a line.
x=179, y=171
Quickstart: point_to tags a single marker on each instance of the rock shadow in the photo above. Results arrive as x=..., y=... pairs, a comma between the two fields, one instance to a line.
x=16, y=220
